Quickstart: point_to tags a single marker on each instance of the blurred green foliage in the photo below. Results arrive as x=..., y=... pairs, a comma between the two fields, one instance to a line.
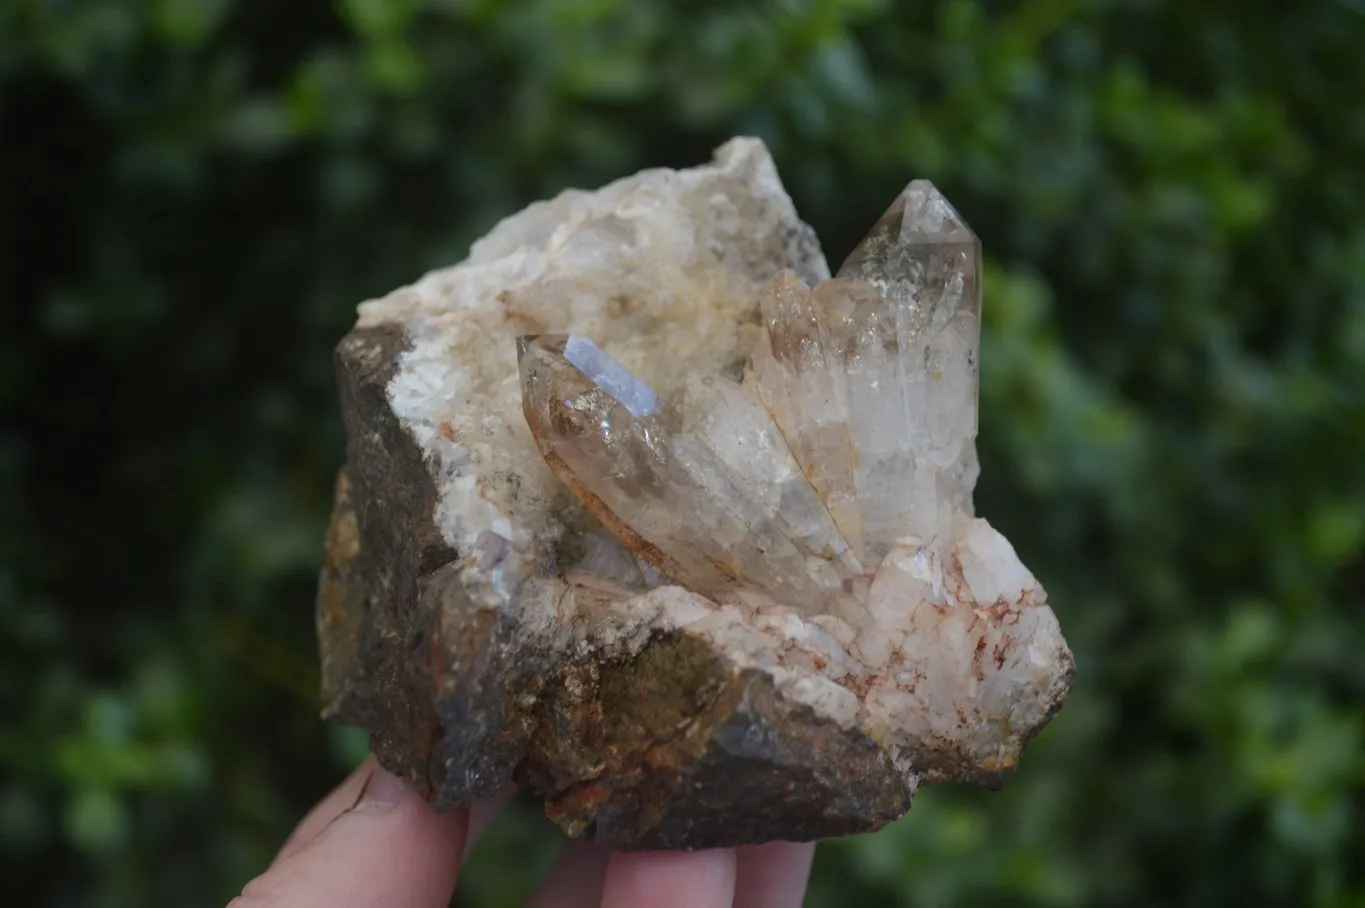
x=195, y=193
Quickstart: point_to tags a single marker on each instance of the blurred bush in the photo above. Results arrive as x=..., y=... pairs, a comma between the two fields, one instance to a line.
x=195, y=193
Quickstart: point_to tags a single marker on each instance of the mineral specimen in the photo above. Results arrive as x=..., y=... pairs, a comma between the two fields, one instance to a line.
x=645, y=513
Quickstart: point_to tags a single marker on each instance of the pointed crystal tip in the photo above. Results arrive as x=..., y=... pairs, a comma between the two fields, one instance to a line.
x=527, y=341
x=927, y=216
x=919, y=218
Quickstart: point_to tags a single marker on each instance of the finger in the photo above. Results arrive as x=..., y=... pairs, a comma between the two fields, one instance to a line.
x=670, y=879
x=339, y=800
x=390, y=849
x=773, y=875
x=575, y=881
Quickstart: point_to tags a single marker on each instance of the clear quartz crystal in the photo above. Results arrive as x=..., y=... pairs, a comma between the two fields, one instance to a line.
x=799, y=376
x=901, y=331
x=738, y=433
x=856, y=429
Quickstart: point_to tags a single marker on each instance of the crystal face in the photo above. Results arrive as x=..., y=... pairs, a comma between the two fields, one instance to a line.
x=910, y=350
x=853, y=433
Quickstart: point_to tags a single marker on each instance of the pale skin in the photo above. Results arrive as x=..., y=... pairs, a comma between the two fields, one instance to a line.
x=374, y=842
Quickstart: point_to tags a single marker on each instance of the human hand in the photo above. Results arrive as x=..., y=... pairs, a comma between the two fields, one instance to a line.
x=375, y=842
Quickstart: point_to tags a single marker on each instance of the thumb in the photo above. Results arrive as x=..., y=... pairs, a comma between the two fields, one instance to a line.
x=391, y=848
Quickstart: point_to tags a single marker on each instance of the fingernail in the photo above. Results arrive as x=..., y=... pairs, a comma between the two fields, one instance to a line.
x=382, y=790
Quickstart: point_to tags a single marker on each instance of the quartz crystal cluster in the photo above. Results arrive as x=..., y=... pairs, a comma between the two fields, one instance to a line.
x=646, y=512
x=864, y=438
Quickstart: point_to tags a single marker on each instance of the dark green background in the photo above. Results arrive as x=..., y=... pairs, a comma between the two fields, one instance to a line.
x=194, y=194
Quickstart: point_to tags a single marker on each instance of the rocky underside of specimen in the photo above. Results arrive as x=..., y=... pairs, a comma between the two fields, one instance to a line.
x=648, y=515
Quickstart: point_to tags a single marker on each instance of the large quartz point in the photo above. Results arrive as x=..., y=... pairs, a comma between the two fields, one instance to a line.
x=874, y=375
x=646, y=513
